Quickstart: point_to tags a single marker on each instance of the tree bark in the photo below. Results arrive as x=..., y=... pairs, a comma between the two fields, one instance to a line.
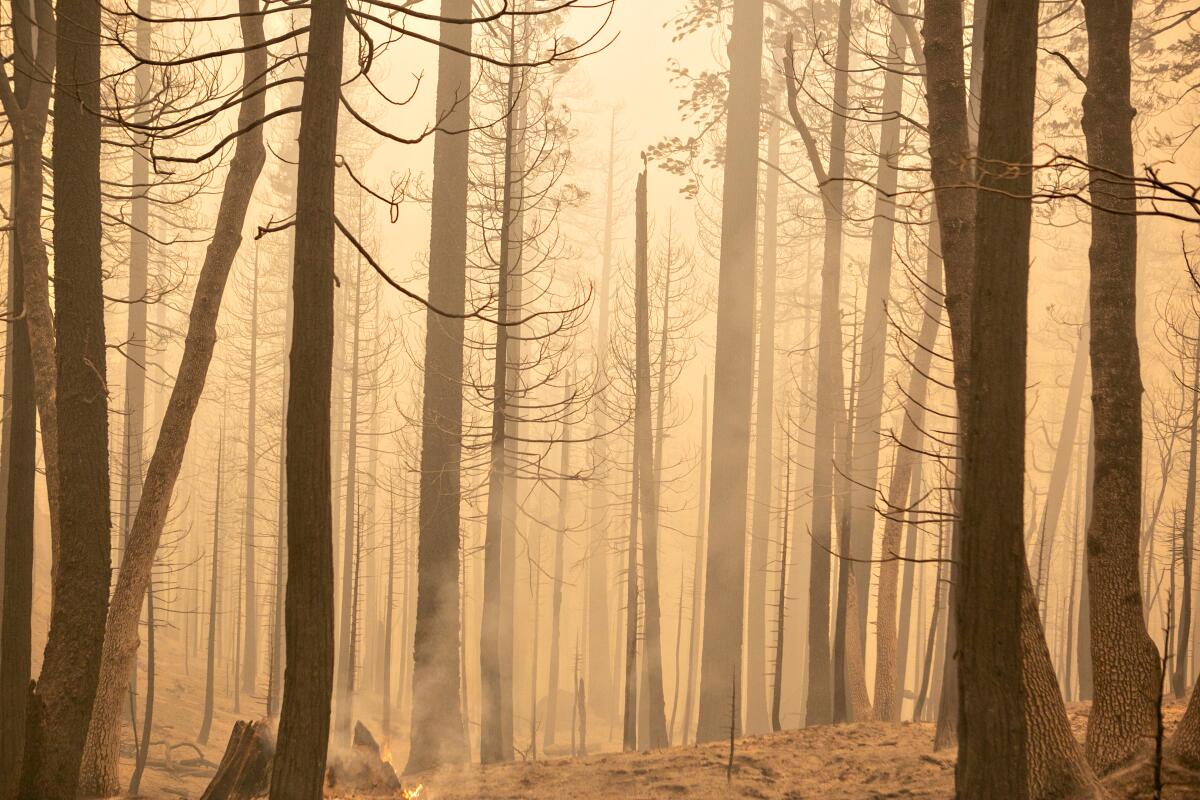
x=437, y=729
x=18, y=451
x=101, y=767
x=1124, y=711
x=725, y=576
x=298, y=767
x=70, y=667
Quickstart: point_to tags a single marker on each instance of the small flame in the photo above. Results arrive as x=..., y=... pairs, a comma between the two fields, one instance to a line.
x=413, y=793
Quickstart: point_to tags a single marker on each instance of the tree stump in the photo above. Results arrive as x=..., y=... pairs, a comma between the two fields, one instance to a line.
x=361, y=770
x=245, y=769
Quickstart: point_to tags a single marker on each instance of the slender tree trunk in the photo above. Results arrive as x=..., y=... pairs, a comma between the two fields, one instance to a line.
x=756, y=600
x=275, y=684
x=564, y=467
x=647, y=492
x=344, y=685
x=830, y=405
x=18, y=450
x=630, y=709
x=1179, y=676
x=1124, y=712
x=298, y=767
x=437, y=736
x=725, y=576
x=100, y=766
x=494, y=745
x=697, y=567
x=781, y=604
x=143, y=750
x=904, y=491
x=249, y=660
x=534, y=553
x=864, y=462
x=214, y=556
x=134, y=418
x=385, y=725
x=1084, y=644
x=66, y=688
x=599, y=679
x=934, y=623
x=1056, y=491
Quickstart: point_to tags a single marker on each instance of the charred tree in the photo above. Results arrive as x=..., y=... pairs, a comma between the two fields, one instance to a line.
x=298, y=765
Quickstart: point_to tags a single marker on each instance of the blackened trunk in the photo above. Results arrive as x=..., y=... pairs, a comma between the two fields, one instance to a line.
x=71, y=664
x=298, y=767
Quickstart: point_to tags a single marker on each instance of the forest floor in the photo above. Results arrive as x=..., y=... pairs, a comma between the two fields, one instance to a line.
x=842, y=762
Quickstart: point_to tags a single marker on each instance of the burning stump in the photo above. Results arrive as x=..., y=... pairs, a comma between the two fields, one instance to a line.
x=362, y=769
x=245, y=769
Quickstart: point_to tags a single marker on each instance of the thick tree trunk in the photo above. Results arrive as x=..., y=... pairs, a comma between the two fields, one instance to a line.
x=993, y=760
x=100, y=770
x=1123, y=718
x=437, y=730
x=757, y=720
x=70, y=667
x=298, y=767
x=725, y=576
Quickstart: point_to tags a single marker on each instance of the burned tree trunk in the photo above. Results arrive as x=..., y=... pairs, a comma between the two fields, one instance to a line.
x=70, y=672
x=298, y=767
x=249, y=660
